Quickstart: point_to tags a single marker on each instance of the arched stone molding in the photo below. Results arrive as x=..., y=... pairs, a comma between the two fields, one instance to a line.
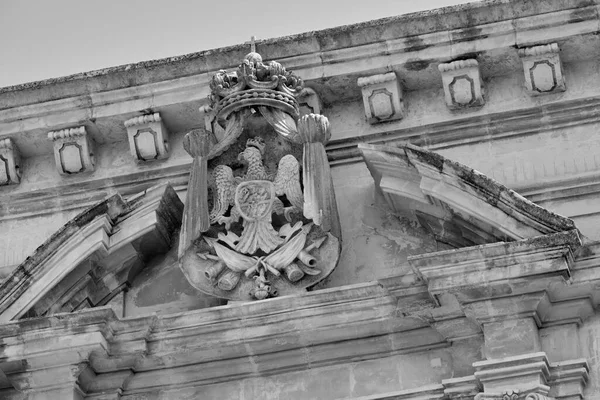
x=107, y=240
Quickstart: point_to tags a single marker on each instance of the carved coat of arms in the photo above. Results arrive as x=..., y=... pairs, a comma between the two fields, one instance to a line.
x=260, y=217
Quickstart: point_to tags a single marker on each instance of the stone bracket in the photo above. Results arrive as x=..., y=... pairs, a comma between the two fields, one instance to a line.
x=543, y=69
x=382, y=97
x=73, y=150
x=10, y=161
x=148, y=137
x=463, y=87
x=309, y=102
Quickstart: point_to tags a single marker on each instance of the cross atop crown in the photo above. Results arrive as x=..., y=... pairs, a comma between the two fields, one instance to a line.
x=252, y=43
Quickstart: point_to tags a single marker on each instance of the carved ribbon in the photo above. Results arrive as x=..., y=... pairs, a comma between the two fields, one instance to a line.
x=233, y=129
x=282, y=122
x=319, y=196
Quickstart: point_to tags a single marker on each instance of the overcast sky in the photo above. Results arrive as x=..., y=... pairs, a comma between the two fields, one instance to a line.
x=49, y=38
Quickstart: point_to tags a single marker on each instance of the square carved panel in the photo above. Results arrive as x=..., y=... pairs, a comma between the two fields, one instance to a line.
x=542, y=69
x=148, y=138
x=382, y=97
x=73, y=150
x=463, y=87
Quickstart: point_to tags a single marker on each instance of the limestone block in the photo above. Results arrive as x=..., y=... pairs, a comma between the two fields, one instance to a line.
x=511, y=337
x=10, y=160
x=543, y=69
x=382, y=97
x=73, y=150
x=463, y=87
x=148, y=137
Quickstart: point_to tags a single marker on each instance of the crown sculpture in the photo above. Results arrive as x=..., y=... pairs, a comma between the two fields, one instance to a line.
x=257, y=222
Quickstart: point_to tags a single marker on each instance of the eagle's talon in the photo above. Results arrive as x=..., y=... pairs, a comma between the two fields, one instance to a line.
x=287, y=212
x=225, y=221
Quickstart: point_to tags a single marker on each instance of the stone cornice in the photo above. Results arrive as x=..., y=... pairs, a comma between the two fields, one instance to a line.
x=459, y=206
x=230, y=342
x=472, y=130
x=510, y=23
x=313, y=56
x=238, y=341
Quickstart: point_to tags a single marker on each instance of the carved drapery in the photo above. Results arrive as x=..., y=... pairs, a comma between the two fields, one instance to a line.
x=319, y=204
x=282, y=122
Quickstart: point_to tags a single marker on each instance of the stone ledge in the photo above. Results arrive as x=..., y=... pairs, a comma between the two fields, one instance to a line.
x=406, y=27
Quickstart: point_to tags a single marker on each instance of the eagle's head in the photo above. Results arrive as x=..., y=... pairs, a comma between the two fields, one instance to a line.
x=250, y=155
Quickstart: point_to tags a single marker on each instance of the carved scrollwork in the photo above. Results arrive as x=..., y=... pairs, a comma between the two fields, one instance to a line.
x=511, y=395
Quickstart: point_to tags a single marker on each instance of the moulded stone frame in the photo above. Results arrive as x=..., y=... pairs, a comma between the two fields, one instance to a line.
x=62, y=157
x=452, y=85
x=136, y=140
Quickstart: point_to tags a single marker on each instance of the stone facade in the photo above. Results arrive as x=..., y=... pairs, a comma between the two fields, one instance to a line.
x=464, y=166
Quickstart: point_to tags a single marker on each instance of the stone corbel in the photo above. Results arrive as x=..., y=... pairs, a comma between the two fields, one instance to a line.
x=463, y=87
x=10, y=161
x=382, y=97
x=73, y=150
x=310, y=102
x=148, y=137
x=543, y=69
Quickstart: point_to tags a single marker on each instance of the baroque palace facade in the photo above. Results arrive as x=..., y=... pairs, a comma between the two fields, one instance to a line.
x=407, y=208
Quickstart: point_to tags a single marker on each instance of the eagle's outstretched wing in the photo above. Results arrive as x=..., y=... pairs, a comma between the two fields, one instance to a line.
x=225, y=184
x=287, y=181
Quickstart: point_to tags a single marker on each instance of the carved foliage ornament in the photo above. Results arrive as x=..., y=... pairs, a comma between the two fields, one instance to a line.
x=258, y=222
x=515, y=395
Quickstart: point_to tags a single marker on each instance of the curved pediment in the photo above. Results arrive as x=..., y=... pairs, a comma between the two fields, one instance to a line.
x=93, y=256
x=458, y=205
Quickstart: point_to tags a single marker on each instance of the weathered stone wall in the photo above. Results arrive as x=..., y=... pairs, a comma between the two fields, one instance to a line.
x=347, y=380
x=586, y=340
x=545, y=147
x=376, y=243
x=19, y=237
x=162, y=288
x=570, y=341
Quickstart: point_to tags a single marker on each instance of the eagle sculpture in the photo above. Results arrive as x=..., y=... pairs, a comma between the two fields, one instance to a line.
x=253, y=197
